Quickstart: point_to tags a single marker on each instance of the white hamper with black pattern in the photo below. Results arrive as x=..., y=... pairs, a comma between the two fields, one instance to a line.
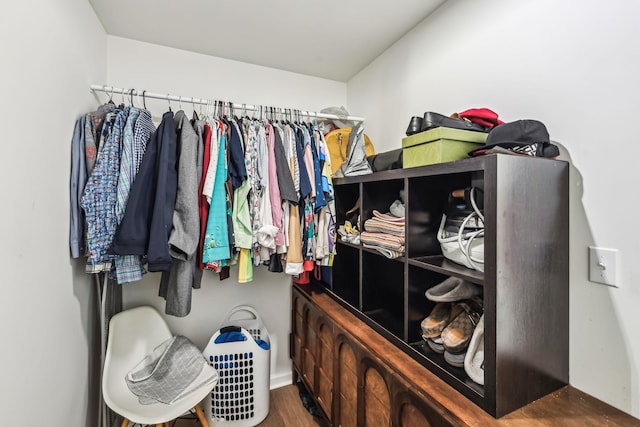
x=241, y=396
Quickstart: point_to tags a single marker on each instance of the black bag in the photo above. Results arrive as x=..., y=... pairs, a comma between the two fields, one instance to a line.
x=386, y=161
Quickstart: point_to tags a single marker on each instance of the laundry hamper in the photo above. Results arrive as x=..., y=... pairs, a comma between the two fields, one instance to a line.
x=241, y=396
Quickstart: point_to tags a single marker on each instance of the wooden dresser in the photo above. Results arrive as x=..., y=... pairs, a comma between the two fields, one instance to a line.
x=359, y=378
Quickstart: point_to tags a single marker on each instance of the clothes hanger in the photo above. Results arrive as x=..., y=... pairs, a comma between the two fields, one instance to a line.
x=111, y=97
x=131, y=97
x=104, y=89
x=122, y=101
x=193, y=106
x=144, y=99
x=169, y=102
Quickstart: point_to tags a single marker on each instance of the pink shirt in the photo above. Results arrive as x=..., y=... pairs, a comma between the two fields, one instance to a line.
x=274, y=190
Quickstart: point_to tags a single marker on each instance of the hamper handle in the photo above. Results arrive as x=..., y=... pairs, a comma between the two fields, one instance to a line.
x=245, y=308
x=230, y=329
x=247, y=336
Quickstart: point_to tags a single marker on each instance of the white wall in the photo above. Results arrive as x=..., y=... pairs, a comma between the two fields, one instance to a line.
x=133, y=64
x=51, y=51
x=574, y=66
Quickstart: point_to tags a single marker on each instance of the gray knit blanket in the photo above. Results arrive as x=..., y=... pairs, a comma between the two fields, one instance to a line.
x=173, y=370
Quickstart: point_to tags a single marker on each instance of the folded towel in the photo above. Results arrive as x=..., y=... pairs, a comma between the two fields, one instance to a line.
x=385, y=223
x=387, y=241
x=386, y=252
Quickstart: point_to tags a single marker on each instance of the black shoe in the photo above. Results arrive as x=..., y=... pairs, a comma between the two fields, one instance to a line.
x=415, y=125
x=434, y=120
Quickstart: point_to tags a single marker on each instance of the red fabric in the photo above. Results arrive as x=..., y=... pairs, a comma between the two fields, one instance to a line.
x=203, y=205
x=482, y=116
x=302, y=278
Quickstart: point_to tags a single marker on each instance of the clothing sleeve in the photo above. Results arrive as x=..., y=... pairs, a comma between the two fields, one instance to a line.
x=166, y=187
x=285, y=181
x=77, y=183
x=184, y=238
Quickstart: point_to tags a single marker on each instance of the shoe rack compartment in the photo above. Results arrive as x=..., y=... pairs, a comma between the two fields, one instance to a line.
x=427, y=197
x=345, y=277
x=382, y=293
x=420, y=280
x=379, y=196
x=525, y=281
x=347, y=201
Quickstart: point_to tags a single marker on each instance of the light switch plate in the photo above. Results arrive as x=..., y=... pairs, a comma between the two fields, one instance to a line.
x=603, y=265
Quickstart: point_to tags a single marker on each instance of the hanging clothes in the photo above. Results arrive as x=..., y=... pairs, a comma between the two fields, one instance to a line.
x=204, y=195
x=128, y=268
x=77, y=183
x=216, y=242
x=100, y=194
x=275, y=197
x=198, y=194
x=93, y=133
x=148, y=217
x=294, y=265
x=177, y=283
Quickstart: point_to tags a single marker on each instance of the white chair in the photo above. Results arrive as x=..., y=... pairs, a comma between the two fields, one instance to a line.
x=133, y=334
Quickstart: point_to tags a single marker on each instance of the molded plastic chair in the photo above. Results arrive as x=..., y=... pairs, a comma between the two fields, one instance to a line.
x=133, y=334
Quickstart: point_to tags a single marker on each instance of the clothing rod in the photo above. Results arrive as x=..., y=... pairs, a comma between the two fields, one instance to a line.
x=201, y=101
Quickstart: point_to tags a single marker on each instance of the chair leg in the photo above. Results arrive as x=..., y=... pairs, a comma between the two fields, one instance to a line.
x=201, y=417
x=125, y=422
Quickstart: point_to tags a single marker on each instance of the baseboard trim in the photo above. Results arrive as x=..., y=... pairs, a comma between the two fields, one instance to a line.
x=281, y=380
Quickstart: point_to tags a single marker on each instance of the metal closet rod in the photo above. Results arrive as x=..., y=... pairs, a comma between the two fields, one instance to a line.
x=202, y=101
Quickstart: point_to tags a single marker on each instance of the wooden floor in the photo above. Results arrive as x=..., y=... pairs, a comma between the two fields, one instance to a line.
x=285, y=410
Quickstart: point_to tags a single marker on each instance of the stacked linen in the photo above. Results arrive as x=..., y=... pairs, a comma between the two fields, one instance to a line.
x=384, y=232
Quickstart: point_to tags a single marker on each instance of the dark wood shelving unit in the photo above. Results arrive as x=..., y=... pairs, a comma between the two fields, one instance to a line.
x=440, y=264
x=526, y=277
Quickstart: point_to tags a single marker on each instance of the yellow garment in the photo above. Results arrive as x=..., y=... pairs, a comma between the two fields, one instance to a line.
x=337, y=141
x=245, y=267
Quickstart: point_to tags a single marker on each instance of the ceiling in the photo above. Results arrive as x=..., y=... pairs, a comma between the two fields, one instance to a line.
x=333, y=39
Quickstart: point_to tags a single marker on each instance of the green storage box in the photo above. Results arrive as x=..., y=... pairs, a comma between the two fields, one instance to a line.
x=439, y=145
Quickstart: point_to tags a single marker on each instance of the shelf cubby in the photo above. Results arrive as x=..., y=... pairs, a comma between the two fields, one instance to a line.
x=382, y=294
x=345, y=274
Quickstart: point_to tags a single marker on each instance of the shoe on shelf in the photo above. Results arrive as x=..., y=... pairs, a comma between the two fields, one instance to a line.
x=435, y=344
x=474, y=360
x=415, y=125
x=453, y=289
x=432, y=120
x=441, y=315
x=457, y=334
x=454, y=359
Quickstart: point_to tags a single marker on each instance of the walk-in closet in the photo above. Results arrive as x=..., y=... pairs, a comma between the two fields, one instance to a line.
x=286, y=71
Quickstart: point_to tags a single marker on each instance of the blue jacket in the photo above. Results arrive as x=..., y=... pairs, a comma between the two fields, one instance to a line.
x=148, y=218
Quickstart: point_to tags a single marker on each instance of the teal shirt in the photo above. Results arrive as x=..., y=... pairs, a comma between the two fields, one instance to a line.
x=216, y=239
